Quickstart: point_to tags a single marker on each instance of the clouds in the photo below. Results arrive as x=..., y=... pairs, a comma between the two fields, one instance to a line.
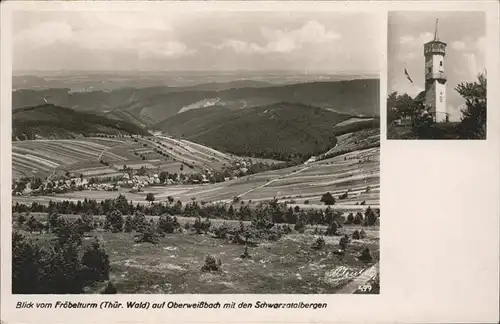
x=236, y=40
x=283, y=41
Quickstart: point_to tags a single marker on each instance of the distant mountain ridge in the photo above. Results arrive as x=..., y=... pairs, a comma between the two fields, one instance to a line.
x=150, y=105
x=50, y=121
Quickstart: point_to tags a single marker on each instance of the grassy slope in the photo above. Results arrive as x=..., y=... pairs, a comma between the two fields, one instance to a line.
x=277, y=129
x=52, y=121
x=285, y=266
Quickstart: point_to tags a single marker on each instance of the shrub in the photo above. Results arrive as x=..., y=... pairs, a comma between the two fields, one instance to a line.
x=350, y=219
x=343, y=242
x=221, y=231
x=147, y=234
x=69, y=232
x=114, y=221
x=187, y=226
x=87, y=222
x=53, y=221
x=362, y=234
x=95, y=263
x=344, y=195
x=138, y=220
x=150, y=197
x=358, y=219
x=110, y=289
x=366, y=255
x=355, y=235
x=21, y=219
x=129, y=224
x=319, y=244
x=300, y=225
x=205, y=225
x=168, y=224
x=211, y=264
x=34, y=225
x=332, y=229
x=370, y=217
x=328, y=199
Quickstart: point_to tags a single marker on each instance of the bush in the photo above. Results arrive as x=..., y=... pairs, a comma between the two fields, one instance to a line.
x=114, y=221
x=87, y=222
x=211, y=264
x=300, y=225
x=147, y=234
x=358, y=219
x=187, y=226
x=53, y=221
x=343, y=242
x=138, y=220
x=370, y=217
x=350, y=219
x=332, y=229
x=221, y=231
x=129, y=224
x=319, y=244
x=328, y=199
x=355, y=235
x=362, y=234
x=95, y=263
x=21, y=219
x=366, y=255
x=34, y=225
x=168, y=224
x=110, y=289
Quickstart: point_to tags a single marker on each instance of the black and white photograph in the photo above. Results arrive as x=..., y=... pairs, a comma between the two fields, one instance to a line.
x=436, y=75
x=211, y=152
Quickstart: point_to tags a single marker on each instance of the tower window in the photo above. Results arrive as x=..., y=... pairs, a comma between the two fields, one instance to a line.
x=440, y=63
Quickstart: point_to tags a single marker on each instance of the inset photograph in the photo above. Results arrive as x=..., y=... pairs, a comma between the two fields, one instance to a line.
x=436, y=75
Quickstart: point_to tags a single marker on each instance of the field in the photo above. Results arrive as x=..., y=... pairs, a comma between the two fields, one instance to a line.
x=354, y=171
x=289, y=265
x=43, y=158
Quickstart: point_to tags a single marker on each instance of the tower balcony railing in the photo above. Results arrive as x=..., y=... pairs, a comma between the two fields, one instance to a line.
x=436, y=76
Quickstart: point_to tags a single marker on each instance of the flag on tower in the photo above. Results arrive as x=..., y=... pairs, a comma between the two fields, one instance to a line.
x=408, y=76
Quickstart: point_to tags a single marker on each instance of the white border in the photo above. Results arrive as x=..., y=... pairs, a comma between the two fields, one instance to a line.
x=439, y=233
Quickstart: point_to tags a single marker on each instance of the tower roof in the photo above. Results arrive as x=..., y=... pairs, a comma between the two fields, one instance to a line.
x=436, y=34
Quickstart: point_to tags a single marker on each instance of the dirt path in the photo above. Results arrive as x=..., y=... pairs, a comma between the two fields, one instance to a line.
x=362, y=279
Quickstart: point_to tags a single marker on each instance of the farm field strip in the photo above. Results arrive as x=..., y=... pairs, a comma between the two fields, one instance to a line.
x=89, y=173
x=315, y=177
x=64, y=150
x=35, y=159
x=28, y=166
x=208, y=149
x=56, y=157
x=323, y=181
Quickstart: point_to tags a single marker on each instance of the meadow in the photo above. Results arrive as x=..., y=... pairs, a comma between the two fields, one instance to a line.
x=288, y=265
x=42, y=158
x=301, y=183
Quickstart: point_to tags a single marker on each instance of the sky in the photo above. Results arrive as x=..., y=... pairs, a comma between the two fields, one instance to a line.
x=305, y=41
x=465, y=35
